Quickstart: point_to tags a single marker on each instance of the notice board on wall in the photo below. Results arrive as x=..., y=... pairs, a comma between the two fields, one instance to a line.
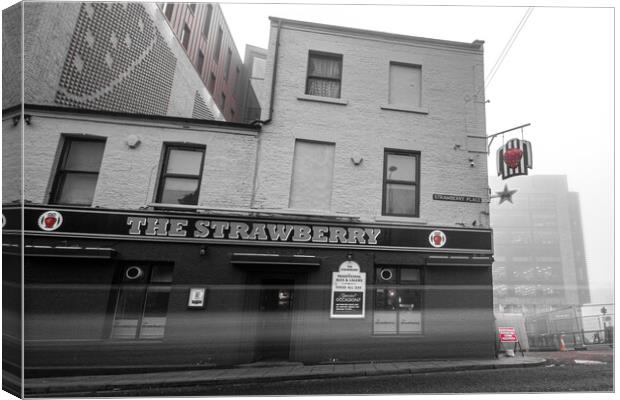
x=348, y=297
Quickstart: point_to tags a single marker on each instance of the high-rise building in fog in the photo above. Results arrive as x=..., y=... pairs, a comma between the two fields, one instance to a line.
x=540, y=262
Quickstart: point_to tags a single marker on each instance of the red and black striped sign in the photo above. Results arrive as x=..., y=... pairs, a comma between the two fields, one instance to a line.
x=514, y=158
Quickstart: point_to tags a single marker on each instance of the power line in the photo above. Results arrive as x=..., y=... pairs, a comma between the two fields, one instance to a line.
x=507, y=47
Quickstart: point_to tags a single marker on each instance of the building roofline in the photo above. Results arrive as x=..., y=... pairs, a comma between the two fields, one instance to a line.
x=141, y=117
x=256, y=49
x=475, y=45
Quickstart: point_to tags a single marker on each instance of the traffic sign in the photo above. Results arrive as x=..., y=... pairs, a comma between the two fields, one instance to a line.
x=507, y=335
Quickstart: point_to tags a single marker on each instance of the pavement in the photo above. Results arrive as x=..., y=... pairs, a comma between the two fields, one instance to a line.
x=260, y=372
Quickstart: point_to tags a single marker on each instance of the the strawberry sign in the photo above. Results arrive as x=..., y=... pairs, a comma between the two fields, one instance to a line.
x=514, y=158
x=437, y=238
x=50, y=220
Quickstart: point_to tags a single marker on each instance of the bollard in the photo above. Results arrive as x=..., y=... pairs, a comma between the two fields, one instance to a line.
x=562, y=345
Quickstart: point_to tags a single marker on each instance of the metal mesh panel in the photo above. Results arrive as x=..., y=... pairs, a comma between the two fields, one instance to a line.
x=201, y=111
x=117, y=61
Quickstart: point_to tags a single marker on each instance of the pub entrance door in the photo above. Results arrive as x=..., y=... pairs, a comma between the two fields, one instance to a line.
x=274, y=319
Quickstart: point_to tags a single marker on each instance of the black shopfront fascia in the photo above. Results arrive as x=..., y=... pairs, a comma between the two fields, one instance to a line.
x=218, y=229
x=109, y=229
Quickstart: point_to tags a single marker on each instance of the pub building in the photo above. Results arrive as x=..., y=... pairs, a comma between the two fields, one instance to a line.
x=350, y=224
x=116, y=289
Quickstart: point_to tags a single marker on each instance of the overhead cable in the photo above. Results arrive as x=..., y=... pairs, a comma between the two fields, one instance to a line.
x=507, y=47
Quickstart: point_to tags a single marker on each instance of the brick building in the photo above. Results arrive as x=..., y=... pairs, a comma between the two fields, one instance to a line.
x=254, y=62
x=99, y=56
x=369, y=112
x=350, y=224
x=202, y=31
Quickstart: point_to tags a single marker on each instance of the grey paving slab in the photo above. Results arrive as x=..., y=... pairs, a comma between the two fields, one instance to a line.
x=363, y=367
x=323, y=368
x=390, y=367
x=278, y=371
x=297, y=370
x=344, y=368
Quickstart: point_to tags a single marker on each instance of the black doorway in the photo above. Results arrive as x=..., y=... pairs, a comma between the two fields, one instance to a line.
x=274, y=319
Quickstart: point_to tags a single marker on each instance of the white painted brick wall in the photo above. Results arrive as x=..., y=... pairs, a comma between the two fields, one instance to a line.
x=11, y=160
x=450, y=77
x=127, y=178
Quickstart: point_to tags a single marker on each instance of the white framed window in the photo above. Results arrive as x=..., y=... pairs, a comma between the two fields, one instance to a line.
x=78, y=171
x=181, y=174
x=324, y=74
x=401, y=183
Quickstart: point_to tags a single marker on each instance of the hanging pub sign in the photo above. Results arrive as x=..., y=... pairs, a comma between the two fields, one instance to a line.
x=348, y=290
x=514, y=158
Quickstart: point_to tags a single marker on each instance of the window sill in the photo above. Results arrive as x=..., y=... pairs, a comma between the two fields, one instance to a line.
x=397, y=335
x=400, y=220
x=396, y=107
x=320, y=99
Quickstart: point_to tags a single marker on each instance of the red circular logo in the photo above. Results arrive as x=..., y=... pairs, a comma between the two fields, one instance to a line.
x=50, y=220
x=437, y=239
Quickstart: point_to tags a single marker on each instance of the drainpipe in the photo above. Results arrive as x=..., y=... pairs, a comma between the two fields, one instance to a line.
x=268, y=120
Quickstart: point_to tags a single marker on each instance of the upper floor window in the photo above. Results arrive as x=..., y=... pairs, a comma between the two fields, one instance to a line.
x=185, y=33
x=401, y=177
x=78, y=170
x=218, y=45
x=258, y=68
x=181, y=174
x=227, y=67
x=237, y=81
x=313, y=174
x=324, y=74
x=405, y=85
x=207, y=24
x=168, y=9
x=211, y=83
x=200, y=61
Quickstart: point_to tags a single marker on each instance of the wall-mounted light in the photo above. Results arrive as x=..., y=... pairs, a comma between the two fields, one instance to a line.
x=133, y=141
x=27, y=118
x=472, y=163
x=356, y=158
x=203, y=250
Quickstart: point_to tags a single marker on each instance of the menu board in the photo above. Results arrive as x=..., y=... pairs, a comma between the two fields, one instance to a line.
x=348, y=291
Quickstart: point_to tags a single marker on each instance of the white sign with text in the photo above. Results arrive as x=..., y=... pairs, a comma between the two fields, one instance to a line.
x=348, y=298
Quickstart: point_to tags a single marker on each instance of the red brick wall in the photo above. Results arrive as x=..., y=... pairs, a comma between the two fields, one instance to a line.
x=181, y=16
